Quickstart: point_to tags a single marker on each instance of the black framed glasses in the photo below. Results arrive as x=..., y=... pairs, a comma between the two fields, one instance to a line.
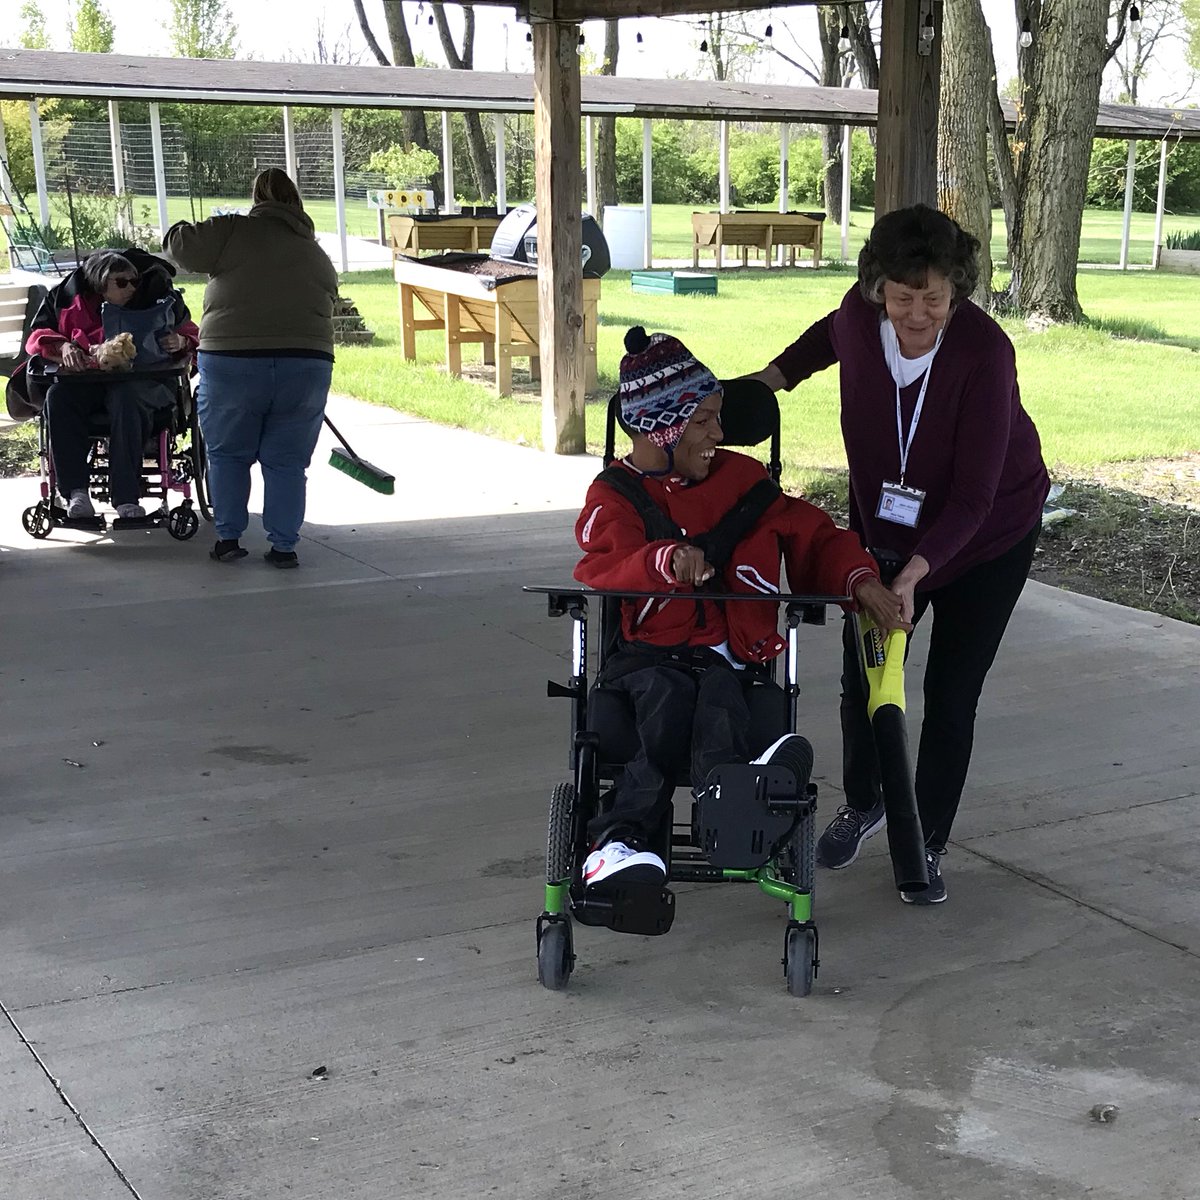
x=124, y=281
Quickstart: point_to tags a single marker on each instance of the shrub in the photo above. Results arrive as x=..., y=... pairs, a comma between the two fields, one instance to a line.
x=1183, y=241
x=404, y=167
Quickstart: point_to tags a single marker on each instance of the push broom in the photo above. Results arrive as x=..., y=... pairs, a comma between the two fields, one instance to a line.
x=343, y=459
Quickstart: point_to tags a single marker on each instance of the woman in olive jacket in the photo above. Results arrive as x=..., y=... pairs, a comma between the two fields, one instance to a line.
x=266, y=357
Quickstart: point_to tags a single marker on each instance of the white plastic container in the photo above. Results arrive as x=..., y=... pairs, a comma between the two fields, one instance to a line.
x=625, y=233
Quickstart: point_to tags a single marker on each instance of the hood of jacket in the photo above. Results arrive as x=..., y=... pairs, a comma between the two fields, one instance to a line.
x=296, y=219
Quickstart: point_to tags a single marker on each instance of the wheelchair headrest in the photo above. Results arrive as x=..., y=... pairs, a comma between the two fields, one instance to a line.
x=749, y=413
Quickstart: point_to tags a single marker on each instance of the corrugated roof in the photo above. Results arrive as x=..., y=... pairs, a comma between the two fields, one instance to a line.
x=27, y=73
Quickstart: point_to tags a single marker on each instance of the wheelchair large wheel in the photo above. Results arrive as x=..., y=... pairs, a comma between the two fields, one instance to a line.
x=800, y=959
x=560, y=843
x=199, y=477
x=37, y=520
x=182, y=522
x=556, y=956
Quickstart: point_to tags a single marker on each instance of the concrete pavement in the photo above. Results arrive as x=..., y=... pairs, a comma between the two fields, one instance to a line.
x=307, y=831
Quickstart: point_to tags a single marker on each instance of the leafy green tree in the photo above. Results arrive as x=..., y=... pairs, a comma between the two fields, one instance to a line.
x=33, y=27
x=90, y=28
x=201, y=29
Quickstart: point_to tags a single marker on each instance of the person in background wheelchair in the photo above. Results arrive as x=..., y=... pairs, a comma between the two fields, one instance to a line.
x=68, y=327
x=680, y=657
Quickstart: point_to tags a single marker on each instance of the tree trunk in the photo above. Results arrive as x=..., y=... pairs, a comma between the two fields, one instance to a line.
x=1060, y=96
x=1006, y=178
x=482, y=165
x=967, y=73
x=829, y=29
x=606, y=131
x=402, y=56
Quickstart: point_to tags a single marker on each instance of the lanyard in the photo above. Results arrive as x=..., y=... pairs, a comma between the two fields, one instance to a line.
x=906, y=443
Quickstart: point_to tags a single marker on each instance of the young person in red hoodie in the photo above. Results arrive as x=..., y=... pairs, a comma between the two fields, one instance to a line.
x=681, y=655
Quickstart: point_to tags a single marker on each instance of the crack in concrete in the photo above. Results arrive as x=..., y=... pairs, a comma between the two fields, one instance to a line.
x=1087, y=816
x=62, y=1095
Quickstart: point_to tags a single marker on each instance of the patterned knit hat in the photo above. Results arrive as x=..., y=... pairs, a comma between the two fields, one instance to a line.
x=662, y=384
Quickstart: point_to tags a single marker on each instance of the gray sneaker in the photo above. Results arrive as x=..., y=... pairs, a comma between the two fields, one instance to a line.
x=80, y=505
x=839, y=845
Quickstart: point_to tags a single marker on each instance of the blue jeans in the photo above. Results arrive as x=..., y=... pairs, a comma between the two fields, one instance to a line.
x=265, y=410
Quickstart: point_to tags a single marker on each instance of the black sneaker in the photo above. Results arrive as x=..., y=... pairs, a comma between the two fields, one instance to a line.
x=935, y=893
x=228, y=550
x=282, y=558
x=839, y=845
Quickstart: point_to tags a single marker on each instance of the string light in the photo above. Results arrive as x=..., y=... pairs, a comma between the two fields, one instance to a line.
x=704, y=46
x=1026, y=38
x=844, y=40
x=927, y=29
x=1135, y=21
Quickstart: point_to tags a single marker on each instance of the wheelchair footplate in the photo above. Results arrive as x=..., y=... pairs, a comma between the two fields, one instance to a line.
x=645, y=908
x=745, y=812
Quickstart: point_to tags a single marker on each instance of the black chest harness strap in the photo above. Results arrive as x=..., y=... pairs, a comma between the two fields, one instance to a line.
x=718, y=543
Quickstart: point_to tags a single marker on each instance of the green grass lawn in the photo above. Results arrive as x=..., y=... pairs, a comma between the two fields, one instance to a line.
x=672, y=227
x=1096, y=398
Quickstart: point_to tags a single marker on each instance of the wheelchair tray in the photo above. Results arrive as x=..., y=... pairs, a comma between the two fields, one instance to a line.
x=166, y=370
x=582, y=593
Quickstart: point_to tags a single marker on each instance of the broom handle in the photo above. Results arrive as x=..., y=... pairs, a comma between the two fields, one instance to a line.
x=339, y=437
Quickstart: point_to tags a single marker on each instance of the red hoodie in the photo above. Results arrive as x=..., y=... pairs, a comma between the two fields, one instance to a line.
x=820, y=558
x=80, y=323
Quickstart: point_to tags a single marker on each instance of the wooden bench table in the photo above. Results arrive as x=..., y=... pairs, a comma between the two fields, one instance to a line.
x=758, y=230
x=502, y=317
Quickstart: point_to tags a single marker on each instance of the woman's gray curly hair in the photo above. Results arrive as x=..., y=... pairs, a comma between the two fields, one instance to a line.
x=98, y=267
x=905, y=245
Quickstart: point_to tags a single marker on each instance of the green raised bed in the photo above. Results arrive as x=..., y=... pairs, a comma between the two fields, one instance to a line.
x=677, y=283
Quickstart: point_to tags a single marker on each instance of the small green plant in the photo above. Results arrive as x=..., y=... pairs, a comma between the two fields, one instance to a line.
x=404, y=167
x=1183, y=241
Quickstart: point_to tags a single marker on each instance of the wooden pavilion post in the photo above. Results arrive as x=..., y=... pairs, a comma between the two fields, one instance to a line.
x=910, y=70
x=560, y=234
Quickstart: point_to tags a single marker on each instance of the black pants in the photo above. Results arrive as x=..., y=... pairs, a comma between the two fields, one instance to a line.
x=970, y=616
x=130, y=405
x=672, y=705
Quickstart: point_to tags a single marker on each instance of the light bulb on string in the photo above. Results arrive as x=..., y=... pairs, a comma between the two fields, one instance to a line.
x=927, y=29
x=1135, y=21
x=1026, y=38
x=704, y=46
x=844, y=40
x=420, y=13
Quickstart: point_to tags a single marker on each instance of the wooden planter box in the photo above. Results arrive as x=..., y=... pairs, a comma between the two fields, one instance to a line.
x=503, y=318
x=675, y=283
x=1178, y=262
x=415, y=235
x=756, y=230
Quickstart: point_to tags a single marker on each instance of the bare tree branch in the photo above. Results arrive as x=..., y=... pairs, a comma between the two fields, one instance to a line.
x=365, y=25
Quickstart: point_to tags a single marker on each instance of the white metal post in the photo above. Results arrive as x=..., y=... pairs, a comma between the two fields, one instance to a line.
x=1161, y=203
x=1130, y=168
x=846, y=131
x=160, y=168
x=589, y=152
x=6, y=188
x=39, y=162
x=724, y=167
x=291, y=162
x=447, y=164
x=785, y=139
x=118, y=160
x=501, y=165
x=339, y=187
x=648, y=191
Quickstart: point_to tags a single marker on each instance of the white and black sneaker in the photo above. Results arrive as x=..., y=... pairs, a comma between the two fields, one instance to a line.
x=793, y=751
x=839, y=845
x=619, y=862
x=935, y=893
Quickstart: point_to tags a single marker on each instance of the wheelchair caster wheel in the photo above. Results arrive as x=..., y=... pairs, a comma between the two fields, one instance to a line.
x=37, y=520
x=182, y=523
x=556, y=957
x=800, y=959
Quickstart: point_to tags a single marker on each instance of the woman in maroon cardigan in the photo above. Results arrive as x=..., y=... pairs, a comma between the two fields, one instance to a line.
x=946, y=482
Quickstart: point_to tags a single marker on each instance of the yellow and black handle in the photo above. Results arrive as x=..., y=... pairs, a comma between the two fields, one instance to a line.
x=882, y=657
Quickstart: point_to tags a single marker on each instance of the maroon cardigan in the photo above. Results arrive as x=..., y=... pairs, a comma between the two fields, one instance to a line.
x=976, y=452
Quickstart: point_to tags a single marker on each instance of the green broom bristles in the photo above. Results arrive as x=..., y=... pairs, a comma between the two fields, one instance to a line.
x=350, y=464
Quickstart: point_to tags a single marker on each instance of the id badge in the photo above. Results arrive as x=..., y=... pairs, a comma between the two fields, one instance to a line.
x=901, y=505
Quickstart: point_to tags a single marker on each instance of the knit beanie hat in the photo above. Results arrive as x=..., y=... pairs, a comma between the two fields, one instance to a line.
x=662, y=384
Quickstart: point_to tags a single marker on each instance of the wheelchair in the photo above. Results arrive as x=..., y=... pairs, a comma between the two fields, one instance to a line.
x=748, y=823
x=173, y=460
